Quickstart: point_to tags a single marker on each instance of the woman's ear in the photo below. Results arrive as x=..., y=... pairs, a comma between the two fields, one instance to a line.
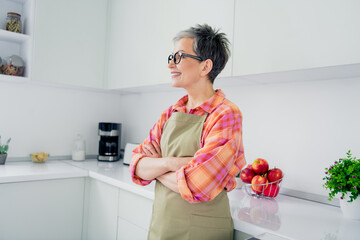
x=206, y=67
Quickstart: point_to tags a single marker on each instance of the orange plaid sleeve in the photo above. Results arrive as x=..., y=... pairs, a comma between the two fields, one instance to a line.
x=218, y=161
x=138, y=153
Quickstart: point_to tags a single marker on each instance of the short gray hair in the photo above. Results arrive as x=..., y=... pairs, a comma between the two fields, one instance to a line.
x=208, y=44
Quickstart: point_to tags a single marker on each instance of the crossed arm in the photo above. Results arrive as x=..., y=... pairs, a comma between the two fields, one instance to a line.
x=154, y=166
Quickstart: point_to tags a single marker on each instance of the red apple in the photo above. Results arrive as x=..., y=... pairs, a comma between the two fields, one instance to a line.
x=260, y=166
x=272, y=190
x=246, y=175
x=259, y=184
x=250, y=166
x=274, y=174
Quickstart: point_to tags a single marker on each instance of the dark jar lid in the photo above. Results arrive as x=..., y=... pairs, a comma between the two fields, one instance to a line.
x=14, y=13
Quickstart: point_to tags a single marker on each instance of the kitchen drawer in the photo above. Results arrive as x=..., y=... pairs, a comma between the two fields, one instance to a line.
x=135, y=209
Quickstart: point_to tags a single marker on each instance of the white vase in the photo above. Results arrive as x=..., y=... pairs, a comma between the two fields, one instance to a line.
x=350, y=209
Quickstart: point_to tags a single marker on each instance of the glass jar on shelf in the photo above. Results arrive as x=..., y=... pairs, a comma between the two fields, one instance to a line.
x=13, y=22
x=13, y=65
x=78, y=149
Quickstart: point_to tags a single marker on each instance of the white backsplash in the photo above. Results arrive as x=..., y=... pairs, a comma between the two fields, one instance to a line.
x=47, y=119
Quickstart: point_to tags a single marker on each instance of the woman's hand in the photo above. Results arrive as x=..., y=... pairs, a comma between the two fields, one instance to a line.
x=175, y=163
x=152, y=150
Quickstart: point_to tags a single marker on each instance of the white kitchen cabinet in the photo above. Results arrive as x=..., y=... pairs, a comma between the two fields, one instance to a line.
x=135, y=209
x=127, y=230
x=281, y=35
x=134, y=215
x=100, y=219
x=48, y=210
x=70, y=42
x=20, y=44
x=141, y=33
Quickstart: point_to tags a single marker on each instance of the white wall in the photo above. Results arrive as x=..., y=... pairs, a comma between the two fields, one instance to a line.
x=301, y=127
x=41, y=118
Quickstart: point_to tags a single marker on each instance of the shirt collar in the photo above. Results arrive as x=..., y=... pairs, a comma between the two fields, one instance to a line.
x=207, y=106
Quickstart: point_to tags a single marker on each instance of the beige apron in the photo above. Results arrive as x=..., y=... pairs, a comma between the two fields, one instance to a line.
x=173, y=217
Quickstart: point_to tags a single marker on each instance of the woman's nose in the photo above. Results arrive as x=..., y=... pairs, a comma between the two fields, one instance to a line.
x=171, y=64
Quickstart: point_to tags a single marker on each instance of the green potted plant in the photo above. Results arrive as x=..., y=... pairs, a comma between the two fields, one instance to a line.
x=3, y=151
x=343, y=179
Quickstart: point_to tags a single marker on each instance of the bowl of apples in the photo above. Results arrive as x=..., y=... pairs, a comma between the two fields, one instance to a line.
x=260, y=181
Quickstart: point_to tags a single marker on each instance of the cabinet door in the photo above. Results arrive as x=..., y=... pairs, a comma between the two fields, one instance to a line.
x=127, y=230
x=141, y=33
x=51, y=209
x=283, y=35
x=135, y=209
x=100, y=220
x=70, y=42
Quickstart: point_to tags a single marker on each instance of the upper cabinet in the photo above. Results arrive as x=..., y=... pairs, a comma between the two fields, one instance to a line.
x=141, y=33
x=13, y=43
x=70, y=42
x=281, y=35
x=125, y=43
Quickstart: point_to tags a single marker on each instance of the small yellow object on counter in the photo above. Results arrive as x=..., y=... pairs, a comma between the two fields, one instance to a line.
x=39, y=157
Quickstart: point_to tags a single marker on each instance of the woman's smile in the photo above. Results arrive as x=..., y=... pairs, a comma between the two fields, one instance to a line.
x=175, y=74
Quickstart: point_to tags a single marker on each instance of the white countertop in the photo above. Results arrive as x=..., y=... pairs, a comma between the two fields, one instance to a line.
x=29, y=171
x=284, y=216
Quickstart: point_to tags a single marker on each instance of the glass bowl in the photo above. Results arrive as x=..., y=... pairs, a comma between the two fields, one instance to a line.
x=39, y=157
x=267, y=190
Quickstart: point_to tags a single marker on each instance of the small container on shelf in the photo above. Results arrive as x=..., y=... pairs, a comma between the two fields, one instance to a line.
x=78, y=149
x=13, y=65
x=13, y=22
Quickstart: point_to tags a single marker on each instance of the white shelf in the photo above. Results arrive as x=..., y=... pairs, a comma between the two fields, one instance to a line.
x=20, y=44
x=13, y=37
x=13, y=79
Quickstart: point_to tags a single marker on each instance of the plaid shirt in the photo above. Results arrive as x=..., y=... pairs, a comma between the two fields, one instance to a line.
x=220, y=157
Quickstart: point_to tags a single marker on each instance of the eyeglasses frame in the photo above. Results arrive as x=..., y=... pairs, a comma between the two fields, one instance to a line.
x=181, y=55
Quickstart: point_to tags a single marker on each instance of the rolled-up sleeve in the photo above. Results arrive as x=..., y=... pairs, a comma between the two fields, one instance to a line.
x=138, y=153
x=217, y=162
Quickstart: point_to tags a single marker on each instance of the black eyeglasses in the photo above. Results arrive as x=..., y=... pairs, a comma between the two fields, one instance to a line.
x=178, y=55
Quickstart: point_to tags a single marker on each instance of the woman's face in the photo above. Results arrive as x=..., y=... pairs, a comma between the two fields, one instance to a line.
x=187, y=72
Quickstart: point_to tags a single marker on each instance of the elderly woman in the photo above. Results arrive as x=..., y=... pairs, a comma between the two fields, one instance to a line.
x=195, y=149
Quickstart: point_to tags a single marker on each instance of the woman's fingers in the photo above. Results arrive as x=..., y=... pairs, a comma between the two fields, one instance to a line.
x=147, y=152
x=150, y=151
x=157, y=147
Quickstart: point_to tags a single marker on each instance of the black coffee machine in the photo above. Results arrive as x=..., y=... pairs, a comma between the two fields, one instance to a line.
x=109, y=144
